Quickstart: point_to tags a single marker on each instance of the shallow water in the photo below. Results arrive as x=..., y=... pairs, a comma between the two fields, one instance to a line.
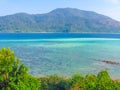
x=66, y=56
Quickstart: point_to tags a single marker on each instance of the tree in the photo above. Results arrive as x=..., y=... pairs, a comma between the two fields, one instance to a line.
x=77, y=82
x=14, y=76
x=104, y=82
x=54, y=82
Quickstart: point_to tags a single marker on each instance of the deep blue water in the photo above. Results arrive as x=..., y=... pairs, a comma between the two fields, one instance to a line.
x=65, y=54
x=55, y=35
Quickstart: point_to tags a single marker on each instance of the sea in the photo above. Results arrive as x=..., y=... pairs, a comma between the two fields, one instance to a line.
x=65, y=54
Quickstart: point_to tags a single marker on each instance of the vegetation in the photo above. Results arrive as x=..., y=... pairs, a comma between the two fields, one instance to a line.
x=14, y=76
x=59, y=20
x=77, y=82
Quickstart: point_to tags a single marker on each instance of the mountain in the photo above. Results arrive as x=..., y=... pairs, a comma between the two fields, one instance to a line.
x=59, y=20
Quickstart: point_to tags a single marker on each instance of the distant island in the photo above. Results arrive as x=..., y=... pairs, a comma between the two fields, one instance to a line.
x=61, y=20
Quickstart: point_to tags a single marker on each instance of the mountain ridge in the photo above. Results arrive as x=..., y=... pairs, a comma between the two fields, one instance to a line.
x=63, y=20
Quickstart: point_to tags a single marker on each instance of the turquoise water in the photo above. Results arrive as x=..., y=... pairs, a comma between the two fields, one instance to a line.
x=66, y=56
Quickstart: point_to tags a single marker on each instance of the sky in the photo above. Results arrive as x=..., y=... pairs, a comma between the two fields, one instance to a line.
x=109, y=8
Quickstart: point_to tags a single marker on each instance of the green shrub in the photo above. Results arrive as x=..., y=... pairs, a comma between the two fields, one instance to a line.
x=104, y=82
x=14, y=76
x=77, y=82
x=54, y=82
x=90, y=82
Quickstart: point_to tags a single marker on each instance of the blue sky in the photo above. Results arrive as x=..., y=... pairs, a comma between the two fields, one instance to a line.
x=110, y=8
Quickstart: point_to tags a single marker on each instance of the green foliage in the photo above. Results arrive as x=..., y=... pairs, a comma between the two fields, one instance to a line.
x=77, y=82
x=90, y=82
x=54, y=83
x=14, y=76
x=104, y=81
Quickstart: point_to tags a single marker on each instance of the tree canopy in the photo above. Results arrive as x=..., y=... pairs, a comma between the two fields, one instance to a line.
x=14, y=76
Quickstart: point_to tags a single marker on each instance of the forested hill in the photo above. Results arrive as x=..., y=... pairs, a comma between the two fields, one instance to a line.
x=59, y=20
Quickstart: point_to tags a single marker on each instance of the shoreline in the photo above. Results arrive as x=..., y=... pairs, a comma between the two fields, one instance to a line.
x=116, y=79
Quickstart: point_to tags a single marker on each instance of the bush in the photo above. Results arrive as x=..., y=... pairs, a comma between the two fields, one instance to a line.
x=14, y=76
x=77, y=82
x=104, y=81
x=54, y=83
